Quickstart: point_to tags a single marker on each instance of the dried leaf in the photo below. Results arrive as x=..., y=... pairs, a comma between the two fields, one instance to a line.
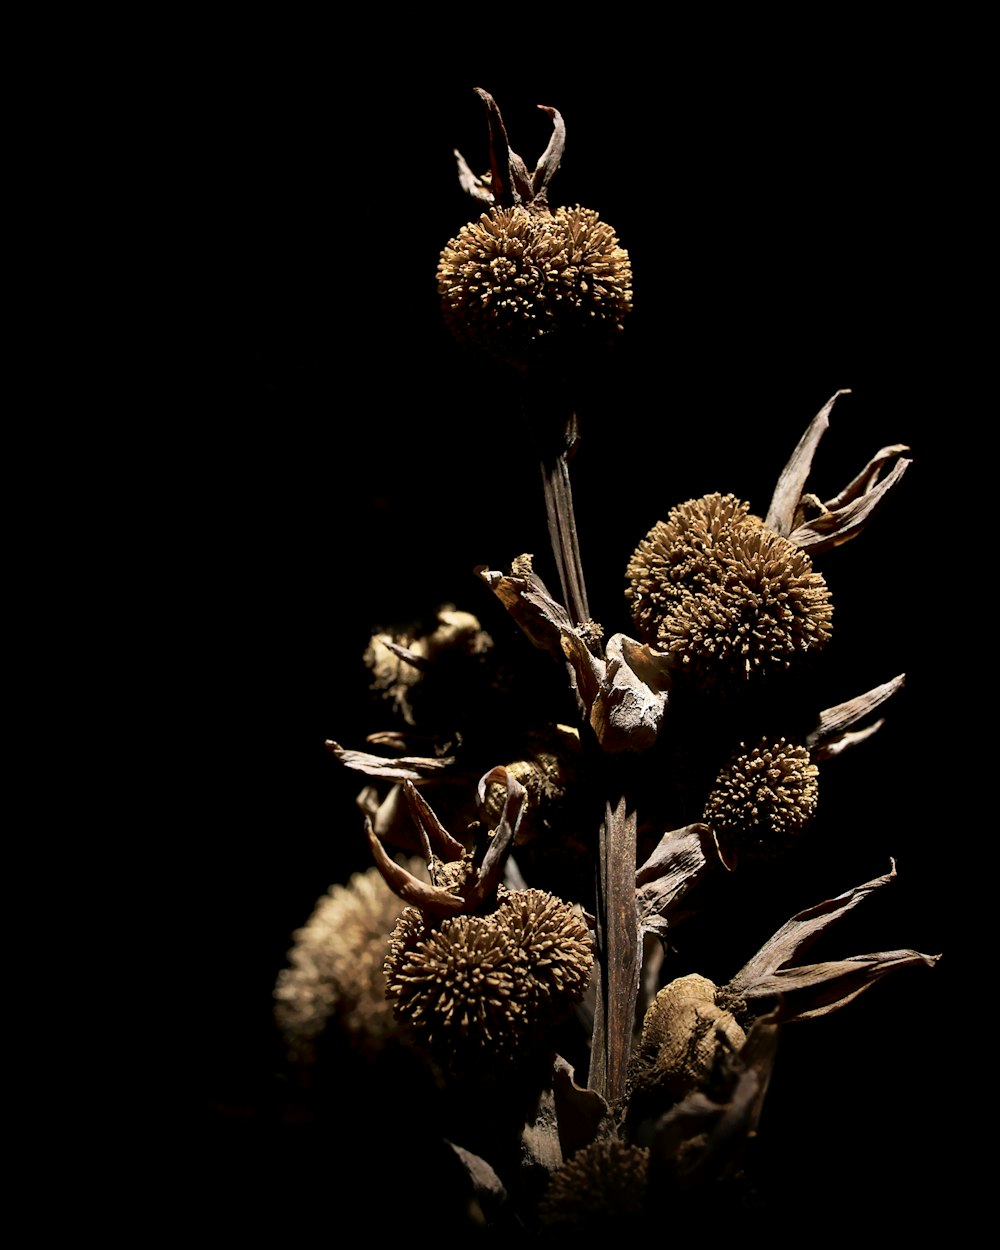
x=792, y=481
x=402, y=768
x=676, y=866
x=580, y=1112
x=837, y=526
x=410, y=888
x=631, y=700
x=832, y=725
x=817, y=989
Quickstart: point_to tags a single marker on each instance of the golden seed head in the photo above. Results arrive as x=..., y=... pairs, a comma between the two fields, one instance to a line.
x=522, y=282
x=724, y=595
x=481, y=989
x=334, y=969
x=763, y=798
x=602, y=1185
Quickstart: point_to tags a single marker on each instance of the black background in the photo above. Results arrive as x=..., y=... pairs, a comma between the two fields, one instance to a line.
x=349, y=467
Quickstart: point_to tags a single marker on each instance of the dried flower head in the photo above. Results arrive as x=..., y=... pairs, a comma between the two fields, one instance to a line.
x=601, y=1186
x=685, y=1035
x=723, y=595
x=481, y=989
x=763, y=798
x=334, y=971
x=520, y=282
x=524, y=283
x=445, y=655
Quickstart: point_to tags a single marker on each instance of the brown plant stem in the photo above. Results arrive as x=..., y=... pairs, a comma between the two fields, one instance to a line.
x=563, y=536
x=617, y=953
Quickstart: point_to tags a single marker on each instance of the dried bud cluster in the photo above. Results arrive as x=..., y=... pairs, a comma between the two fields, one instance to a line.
x=602, y=1185
x=763, y=798
x=334, y=969
x=521, y=281
x=482, y=988
x=724, y=595
x=685, y=1034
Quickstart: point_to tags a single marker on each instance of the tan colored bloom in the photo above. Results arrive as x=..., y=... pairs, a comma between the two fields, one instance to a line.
x=723, y=595
x=763, y=798
x=481, y=989
x=521, y=281
x=602, y=1186
x=524, y=283
x=334, y=972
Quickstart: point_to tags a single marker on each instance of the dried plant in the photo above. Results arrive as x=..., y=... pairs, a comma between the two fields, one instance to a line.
x=524, y=947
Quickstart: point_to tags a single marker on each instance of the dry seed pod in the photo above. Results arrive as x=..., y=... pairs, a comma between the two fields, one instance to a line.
x=685, y=1034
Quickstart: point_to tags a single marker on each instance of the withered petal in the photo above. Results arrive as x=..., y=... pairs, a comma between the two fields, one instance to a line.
x=815, y=990
x=839, y=524
x=792, y=480
x=410, y=888
x=492, y=868
x=438, y=841
x=402, y=768
x=799, y=932
x=830, y=735
x=680, y=860
x=631, y=700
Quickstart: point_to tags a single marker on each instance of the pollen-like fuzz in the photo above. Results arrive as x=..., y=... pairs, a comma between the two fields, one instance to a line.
x=763, y=798
x=334, y=970
x=484, y=988
x=520, y=282
x=724, y=595
x=555, y=946
x=603, y=1186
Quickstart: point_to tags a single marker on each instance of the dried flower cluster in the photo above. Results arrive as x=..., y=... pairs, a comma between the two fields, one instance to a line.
x=535, y=932
x=480, y=990
x=522, y=281
x=717, y=590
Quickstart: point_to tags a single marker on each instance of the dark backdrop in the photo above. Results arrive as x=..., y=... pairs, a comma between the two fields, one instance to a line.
x=350, y=468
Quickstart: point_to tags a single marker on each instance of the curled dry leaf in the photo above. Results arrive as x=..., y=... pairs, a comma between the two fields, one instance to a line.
x=845, y=515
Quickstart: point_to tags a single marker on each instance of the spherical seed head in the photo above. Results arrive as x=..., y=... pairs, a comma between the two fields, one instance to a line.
x=556, y=950
x=763, y=798
x=334, y=970
x=524, y=284
x=601, y=1185
x=482, y=990
x=454, y=984
x=724, y=595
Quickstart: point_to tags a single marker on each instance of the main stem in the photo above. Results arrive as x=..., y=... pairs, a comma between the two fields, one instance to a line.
x=616, y=931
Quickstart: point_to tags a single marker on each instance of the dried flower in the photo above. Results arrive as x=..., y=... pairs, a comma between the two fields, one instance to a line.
x=685, y=1035
x=334, y=970
x=763, y=798
x=602, y=1186
x=480, y=990
x=723, y=595
x=480, y=972
x=523, y=283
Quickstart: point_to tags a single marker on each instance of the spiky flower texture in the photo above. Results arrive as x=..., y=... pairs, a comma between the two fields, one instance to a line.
x=724, y=595
x=524, y=283
x=763, y=798
x=483, y=988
